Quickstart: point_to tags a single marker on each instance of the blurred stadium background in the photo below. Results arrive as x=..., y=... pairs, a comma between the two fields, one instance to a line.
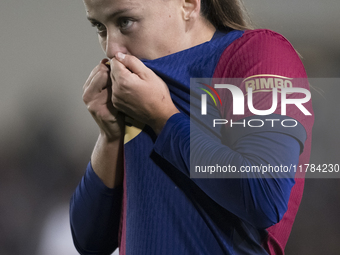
x=47, y=50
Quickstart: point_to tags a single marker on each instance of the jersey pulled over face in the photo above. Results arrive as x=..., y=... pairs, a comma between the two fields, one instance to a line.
x=147, y=29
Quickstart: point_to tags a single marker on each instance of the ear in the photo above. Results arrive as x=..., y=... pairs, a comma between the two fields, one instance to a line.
x=191, y=8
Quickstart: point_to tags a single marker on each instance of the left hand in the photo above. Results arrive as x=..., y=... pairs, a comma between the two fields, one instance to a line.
x=139, y=92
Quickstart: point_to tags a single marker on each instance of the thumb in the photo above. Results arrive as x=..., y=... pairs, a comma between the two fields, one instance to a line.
x=133, y=64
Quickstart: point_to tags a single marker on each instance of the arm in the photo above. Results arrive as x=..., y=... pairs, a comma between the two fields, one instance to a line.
x=96, y=204
x=107, y=156
x=94, y=215
x=260, y=201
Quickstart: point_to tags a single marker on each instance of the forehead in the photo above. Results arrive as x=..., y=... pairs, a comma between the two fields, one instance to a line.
x=108, y=6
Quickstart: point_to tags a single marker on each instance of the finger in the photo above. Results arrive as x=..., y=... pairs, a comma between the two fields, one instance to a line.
x=99, y=82
x=98, y=68
x=119, y=73
x=133, y=64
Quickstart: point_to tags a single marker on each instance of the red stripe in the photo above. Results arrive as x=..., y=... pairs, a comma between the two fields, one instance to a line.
x=122, y=228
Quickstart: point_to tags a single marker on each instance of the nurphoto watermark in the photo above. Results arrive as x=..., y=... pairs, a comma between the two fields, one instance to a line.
x=242, y=128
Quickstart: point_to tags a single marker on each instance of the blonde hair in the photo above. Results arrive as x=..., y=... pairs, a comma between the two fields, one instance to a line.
x=226, y=14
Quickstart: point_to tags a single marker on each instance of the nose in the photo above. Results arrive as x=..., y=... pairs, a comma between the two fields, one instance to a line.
x=114, y=44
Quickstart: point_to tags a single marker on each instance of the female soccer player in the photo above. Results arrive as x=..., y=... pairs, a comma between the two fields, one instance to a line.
x=137, y=192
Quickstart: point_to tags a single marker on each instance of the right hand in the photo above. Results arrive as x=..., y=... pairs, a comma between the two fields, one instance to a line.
x=97, y=96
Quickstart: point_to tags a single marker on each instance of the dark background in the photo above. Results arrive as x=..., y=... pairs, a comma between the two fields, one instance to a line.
x=48, y=49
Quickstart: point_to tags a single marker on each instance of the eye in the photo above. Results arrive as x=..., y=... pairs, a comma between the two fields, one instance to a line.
x=100, y=27
x=125, y=23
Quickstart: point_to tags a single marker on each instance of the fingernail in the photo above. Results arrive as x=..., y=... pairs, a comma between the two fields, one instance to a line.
x=120, y=55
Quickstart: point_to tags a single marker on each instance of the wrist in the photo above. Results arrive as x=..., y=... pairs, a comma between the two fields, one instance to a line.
x=159, y=123
x=108, y=139
x=107, y=161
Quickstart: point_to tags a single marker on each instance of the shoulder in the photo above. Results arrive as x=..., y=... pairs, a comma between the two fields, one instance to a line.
x=262, y=34
x=259, y=51
x=261, y=39
x=264, y=41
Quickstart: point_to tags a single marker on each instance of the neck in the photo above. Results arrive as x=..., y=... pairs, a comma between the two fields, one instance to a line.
x=201, y=31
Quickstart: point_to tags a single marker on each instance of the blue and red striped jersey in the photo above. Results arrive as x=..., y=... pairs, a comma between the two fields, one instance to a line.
x=160, y=209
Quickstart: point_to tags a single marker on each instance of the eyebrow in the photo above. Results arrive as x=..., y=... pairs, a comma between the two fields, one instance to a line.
x=114, y=14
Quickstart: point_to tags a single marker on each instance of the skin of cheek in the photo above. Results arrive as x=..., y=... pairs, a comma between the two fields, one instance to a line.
x=165, y=37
